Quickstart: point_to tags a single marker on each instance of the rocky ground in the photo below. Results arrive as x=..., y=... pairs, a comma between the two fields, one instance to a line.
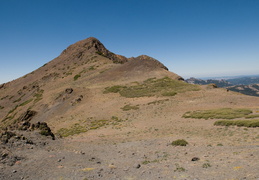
x=142, y=155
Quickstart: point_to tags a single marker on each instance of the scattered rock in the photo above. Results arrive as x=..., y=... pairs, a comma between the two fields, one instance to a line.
x=2, y=86
x=83, y=153
x=195, y=159
x=69, y=90
x=137, y=166
x=44, y=129
x=77, y=100
x=212, y=86
x=112, y=166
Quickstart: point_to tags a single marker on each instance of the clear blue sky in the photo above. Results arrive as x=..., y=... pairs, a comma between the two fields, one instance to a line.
x=191, y=37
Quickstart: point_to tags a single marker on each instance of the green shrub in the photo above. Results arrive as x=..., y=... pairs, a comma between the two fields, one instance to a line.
x=38, y=95
x=172, y=93
x=158, y=102
x=113, y=89
x=179, y=169
x=12, y=110
x=239, y=123
x=11, y=97
x=223, y=113
x=129, y=107
x=91, y=68
x=206, y=165
x=100, y=53
x=17, y=100
x=26, y=102
x=146, y=162
x=179, y=142
x=76, y=77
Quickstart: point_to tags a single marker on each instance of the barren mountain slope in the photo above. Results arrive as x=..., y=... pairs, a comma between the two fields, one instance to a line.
x=81, y=66
x=117, y=118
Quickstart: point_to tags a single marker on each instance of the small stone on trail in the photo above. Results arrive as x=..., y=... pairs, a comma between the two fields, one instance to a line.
x=83, y=153
x=137, y=166
x=69, y=90
x=112, y=166
x=195, y=159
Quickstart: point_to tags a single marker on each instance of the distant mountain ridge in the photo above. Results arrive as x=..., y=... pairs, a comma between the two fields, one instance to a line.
x=219, y=83
x=248, y=85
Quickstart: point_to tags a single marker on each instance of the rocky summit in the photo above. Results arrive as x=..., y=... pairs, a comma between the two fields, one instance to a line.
x=93, y=114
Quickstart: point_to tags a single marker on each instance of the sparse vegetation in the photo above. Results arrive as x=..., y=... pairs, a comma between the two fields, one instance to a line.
x=75, y=129
x=76, y=77
x=44, y=64
x=89, y=124
x=180, y=142
x=45, y=130
x=38, y=95
x=172, y=93
x=129, y=107
x=161, y=157
x=12, y=110
x=20, y=98
x=11, y=97
x=1, y=107
x=114, y=89
x=100, y=53
x=68, y=73
x=158, y=101
x=251, y=116
x=206, y=165
x=179, y=168
x=17, y=100
x=26, y=102
x=153, y=87
x=98, y=123
x=223, y=113
x=91, y=68
x=4, y=97
x=239, y=123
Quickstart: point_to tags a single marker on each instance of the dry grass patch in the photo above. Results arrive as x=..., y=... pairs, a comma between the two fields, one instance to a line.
x=180, y=142
x=129, y=107
x=222, y=113
x=239, y=123
x=153, y=87
x=89, y=124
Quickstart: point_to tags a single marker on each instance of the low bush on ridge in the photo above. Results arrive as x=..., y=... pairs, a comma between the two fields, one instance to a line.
x=239, y=123
x=179, y=142
x=222, y=113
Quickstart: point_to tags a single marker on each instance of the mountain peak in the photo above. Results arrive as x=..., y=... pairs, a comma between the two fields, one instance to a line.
x=151, y=61
x=91, y=45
